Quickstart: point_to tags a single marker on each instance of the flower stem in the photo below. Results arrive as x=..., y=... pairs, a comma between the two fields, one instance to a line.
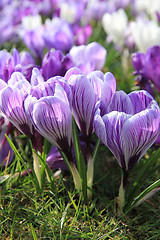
x=36, y=167
x=90, y=173
x=122, y=188
x=76, y=177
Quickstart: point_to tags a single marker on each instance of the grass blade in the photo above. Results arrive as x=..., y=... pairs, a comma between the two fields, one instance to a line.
x=139, y=181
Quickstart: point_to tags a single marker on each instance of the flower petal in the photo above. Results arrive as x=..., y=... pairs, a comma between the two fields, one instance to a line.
x=121, y=102
x=83, y=102
x=138, y=134
x=53, y=120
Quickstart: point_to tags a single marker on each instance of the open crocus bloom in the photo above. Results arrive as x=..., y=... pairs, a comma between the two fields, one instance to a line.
x=86, y=91
x=11, y=102
x=48, y=105
x=147, y=66
x=129, y=126
x=52, y=118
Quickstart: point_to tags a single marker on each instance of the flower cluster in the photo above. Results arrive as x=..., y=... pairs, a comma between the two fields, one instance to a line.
x=56, y=84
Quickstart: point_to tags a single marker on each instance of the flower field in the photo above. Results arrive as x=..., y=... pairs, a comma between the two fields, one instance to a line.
x=79, y=119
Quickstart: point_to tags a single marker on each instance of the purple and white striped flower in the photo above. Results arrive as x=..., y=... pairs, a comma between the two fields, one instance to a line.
x=11, y=102
x=52, y=118
x=48, y=105
x=12, y=97
x=129, y=126
x=87, y=90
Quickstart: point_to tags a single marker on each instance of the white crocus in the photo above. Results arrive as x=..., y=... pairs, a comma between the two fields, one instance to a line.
x=145, y=34
x=68, y=12
x=150, y=7
x=31, y=22
x=115, y=25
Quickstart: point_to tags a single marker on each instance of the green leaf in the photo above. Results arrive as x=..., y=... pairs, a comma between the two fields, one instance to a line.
x=33, y=233
x=81, y=165
x=148, y=192
x=96, y=149
x=77, y=148
x=139, y=180
x=4, y=178
x=45, y=166
x=20, y=158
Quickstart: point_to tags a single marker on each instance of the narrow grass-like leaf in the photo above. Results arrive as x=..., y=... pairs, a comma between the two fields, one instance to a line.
x=139, y=181
x=65, y=160
x=46, y=167
x=63, y=218
x=148, y=192
x=33, y=233
x=81, y=165
x=76, y=144
x=20, y=158
x=96, y=150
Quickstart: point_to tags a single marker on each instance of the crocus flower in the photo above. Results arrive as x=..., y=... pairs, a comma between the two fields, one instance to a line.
x=146, y=6
x=145, y=34
x=115, y=25
x=11, y=106
x=71, y=11
x=82, y=33
x=89, y=58
x=95, y=9
x=147, y=68
x=21, y=62
x=55, y=63
x=11, y=102
x=58, y=34
x=87, y=90
x=53, y=119
x=127, y=128
x=55, y=86
x=48, y=105
x=31, y=31
x=54, y=159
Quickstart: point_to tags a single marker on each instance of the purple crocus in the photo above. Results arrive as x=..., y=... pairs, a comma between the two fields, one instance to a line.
x=89, y=58
x=11, y=106
x=12, y=63
x=11, y=102
x=82, y=34
x=34, y=41
x=48, y=105
x=55, y=63
x=58, y=34
x=53, y=119
x=87, y=90
x=129, y=126
x=147, y=68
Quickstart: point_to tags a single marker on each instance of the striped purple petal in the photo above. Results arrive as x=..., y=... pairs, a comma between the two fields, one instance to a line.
x=129, y=131
x=138, y=135
x=11, y=106
x=53, y=120
x=83, y=103
x=55, y=86
x=121, y=102
x=36, y=77
x=108, y=128
x=17, y=77
x=143, y=98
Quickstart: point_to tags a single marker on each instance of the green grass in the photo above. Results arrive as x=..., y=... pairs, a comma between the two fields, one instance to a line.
x=61, y=214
